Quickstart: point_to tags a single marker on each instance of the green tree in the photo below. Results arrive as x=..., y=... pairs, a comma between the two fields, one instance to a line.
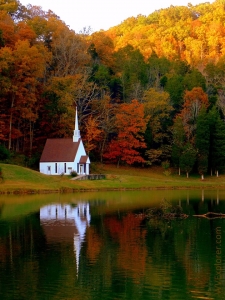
x=218, y=146
x=188, y=158
x=102, y=76
x=4, y=153
x=194, y=79
x=158, y=110
x=131, y=68
x=157, y=68
x=212, y=117
x=202, y=139
x=175, y=87
x=178, y=142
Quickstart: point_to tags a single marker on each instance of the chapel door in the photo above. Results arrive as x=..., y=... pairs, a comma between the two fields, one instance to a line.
x=49, y=170
x=81, y=169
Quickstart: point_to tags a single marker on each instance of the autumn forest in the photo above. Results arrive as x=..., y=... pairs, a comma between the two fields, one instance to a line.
x=150, y=91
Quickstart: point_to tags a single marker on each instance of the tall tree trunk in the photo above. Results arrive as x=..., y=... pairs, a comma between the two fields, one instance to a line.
x=10, y=122
x=31, y=136
x=17, y=140
x=118, y=163
x=102, y=148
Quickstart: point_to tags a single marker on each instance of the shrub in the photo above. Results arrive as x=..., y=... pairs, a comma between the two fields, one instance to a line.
x=33, y=161
x=166, y=167
x=4, y=153
x=73, y=173
x=167, y=172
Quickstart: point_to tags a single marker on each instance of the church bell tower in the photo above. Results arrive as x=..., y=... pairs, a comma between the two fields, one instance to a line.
x=76, y=132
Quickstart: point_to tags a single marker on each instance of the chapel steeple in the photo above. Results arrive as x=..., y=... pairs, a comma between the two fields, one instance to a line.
x=76, y=132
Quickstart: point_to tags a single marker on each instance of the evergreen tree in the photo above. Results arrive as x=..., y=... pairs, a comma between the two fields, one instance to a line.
x=175, y=87
x=202, y=141
x=218, y=147
x=4, y=153
x=212, y=117
x=194, y=79
x=187, y=159
x=178, y=142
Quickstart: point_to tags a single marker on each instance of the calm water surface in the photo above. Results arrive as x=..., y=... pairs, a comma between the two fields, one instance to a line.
x=100, y=246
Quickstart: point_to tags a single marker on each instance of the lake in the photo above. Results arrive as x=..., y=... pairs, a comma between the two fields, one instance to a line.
x=88, y=246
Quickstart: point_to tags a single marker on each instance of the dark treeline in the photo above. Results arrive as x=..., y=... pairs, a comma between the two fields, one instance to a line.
x=148, y=91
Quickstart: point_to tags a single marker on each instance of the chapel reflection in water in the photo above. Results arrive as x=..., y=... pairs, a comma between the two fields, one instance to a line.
x=66, y=223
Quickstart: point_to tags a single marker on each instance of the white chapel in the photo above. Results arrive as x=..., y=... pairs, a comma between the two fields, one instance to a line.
x=61, y=156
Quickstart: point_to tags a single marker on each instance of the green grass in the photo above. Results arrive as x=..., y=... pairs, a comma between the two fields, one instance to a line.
x=23, y=180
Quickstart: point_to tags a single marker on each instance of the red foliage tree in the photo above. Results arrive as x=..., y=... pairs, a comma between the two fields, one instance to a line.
x=130, y=124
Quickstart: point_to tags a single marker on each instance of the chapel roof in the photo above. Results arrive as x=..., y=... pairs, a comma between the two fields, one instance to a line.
x=59, y=150
x=83, y=159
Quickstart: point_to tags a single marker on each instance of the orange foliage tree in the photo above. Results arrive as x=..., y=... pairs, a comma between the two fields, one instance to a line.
x=21, y=70
x=7, y=29
x=130, y=124
x=92, y=134
x=194, y=100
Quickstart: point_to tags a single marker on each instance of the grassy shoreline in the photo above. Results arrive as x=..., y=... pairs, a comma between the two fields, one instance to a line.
x=20, y=180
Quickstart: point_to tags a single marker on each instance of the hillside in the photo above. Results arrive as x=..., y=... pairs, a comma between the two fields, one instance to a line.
x=25, y=181
x=194, y=34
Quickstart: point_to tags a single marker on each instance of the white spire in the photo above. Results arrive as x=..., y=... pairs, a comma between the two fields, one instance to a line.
x=76, y=132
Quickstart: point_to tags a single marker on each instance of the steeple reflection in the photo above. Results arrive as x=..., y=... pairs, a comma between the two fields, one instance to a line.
x=66, y=223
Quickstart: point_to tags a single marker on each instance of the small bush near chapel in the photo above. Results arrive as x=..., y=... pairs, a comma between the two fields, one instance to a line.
x=73, y=173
